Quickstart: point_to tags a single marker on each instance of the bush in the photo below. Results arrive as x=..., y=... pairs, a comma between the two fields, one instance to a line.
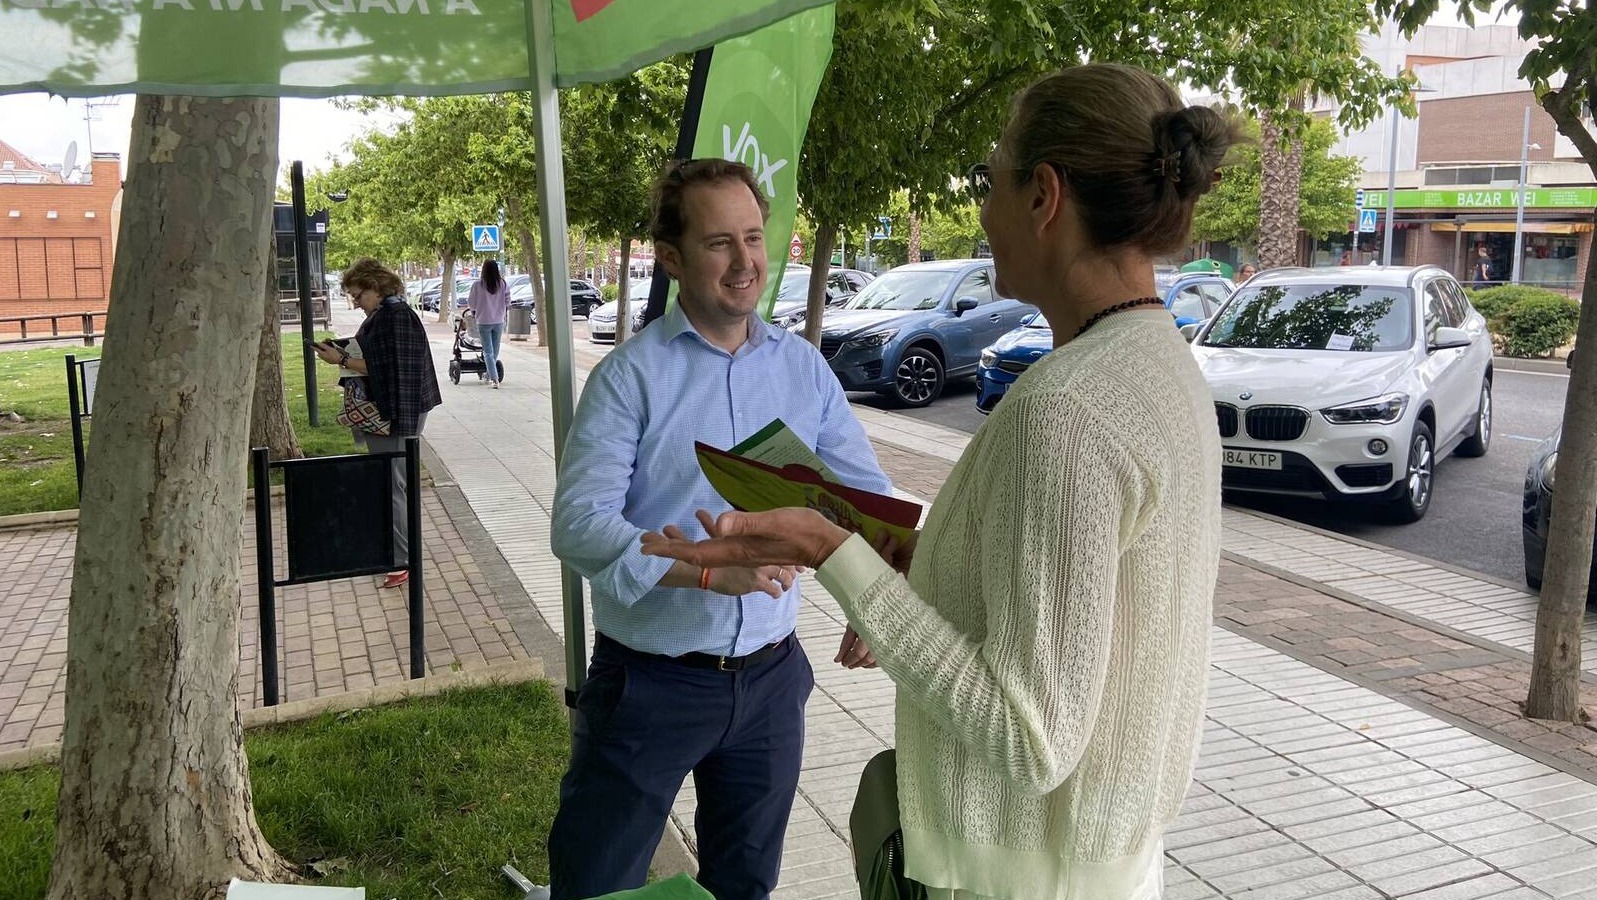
x=1536, y=326
x=610, y=291
x=1527, y=321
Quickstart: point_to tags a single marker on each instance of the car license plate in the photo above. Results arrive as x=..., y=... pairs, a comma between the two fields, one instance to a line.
x=1252, y=459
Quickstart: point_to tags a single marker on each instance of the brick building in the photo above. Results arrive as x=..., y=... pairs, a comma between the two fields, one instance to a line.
x=57, y=237
x=1458, y=164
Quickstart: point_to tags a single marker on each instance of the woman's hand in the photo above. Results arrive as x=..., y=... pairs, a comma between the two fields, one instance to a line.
x=327, y=353
x=781, y=537
x=735, y=581
x=853, y=652
x=897, y=555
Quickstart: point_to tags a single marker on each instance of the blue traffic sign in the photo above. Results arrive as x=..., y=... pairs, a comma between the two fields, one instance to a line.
x=485, y=238
x=1367, y=220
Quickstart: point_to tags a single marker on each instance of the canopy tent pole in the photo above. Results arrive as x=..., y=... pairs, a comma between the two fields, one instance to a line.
x=557, y=294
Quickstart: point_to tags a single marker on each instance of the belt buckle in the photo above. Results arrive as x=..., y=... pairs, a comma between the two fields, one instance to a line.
x=720, y=664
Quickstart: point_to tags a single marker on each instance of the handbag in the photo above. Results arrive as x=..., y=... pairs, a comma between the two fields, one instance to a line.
x=878, y=837
x=359, y=411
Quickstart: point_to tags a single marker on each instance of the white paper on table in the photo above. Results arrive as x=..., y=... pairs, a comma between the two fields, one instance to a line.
x=1340, y=342
x=254, y=890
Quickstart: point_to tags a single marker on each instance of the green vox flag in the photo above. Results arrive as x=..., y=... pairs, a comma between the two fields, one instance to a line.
x=756, y=110
x=318, y=48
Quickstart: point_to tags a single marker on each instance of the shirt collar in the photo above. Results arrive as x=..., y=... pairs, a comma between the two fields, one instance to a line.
x=675, y=323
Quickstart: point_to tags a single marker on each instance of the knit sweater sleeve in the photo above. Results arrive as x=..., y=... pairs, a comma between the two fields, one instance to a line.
x=1056, y=500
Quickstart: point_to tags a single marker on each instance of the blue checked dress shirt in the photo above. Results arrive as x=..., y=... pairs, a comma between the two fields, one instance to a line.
x=629, y=467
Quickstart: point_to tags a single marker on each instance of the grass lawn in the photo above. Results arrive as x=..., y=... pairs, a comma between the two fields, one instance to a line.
x=415, y=800
x=36, y=469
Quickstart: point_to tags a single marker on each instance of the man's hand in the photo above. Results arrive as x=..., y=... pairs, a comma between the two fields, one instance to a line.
x=853, y=653
x=736, y=581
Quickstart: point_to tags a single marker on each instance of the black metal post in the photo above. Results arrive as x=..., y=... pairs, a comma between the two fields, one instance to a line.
x=302, y=280
x=75, y=404
x=265, y=578
x=660, y=285
x=418, y=640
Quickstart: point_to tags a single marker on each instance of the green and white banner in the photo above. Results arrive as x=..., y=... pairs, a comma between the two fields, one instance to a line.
x=317, y=48
x=756, y=110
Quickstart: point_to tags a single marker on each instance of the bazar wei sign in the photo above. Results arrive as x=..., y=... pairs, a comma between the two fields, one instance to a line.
x=356, y=7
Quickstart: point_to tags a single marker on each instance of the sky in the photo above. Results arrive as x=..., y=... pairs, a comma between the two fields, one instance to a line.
x=313, y=131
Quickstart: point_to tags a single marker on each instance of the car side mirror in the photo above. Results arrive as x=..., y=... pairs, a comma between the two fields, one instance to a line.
x=1449, y=339
x=964, y=305
x=1027, y=319
x=1190, y=331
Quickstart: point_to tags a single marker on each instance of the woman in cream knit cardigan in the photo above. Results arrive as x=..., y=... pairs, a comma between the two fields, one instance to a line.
x=1050, y=642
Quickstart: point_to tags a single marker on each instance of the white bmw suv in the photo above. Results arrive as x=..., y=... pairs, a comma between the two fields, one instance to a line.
x=1348, y=383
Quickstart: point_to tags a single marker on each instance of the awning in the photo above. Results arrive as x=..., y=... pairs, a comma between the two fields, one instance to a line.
x=1508, y=227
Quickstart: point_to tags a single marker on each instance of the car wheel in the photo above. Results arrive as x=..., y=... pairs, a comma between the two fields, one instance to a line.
x=1480, y=440
x=918, y=380
x=1415, y=498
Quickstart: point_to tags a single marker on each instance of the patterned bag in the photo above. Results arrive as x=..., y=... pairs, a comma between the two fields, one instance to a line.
x=359, y=411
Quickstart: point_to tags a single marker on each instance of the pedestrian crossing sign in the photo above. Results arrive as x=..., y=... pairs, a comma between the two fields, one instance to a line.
x=485, y=238
x=1367, y=220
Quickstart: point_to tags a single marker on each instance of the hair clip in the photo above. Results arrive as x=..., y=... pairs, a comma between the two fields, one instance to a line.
x=1170, y=167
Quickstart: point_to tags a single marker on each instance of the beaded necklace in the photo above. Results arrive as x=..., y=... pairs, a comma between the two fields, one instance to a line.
x=1118, y=307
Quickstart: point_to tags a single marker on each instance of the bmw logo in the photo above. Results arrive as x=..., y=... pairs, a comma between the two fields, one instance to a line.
x=1245, y=395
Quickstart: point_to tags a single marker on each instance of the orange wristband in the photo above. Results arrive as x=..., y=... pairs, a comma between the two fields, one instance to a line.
x=704, y=579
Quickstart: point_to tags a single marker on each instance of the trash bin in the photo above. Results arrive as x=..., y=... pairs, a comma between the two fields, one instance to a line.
x=518, y=322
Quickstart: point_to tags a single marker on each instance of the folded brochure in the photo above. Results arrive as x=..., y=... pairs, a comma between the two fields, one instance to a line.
x=774, y=469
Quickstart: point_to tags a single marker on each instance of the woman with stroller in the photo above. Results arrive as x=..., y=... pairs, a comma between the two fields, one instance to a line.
x=1049, y=644
x=488, y=301
x=397, y=363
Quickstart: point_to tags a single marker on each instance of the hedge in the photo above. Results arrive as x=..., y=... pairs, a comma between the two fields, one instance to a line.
x=1527, y=321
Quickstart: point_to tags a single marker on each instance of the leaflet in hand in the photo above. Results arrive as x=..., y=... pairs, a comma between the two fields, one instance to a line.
x=775, y=469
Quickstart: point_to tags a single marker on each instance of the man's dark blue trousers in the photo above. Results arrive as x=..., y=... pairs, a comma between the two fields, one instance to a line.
x=644, y=722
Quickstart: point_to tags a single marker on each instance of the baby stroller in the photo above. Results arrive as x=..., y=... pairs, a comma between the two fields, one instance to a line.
x=468, y=351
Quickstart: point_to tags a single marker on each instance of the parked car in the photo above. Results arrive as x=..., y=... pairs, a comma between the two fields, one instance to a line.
x=1538, y=509
x=911, y=329
x=602, y=321
x=792, y=298
x=1192, y=298
x=1348, y=383
x=584, y=296
x=426, y=296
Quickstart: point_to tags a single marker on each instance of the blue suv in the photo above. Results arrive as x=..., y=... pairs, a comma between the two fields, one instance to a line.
x=913, y=328
x=1190, y=296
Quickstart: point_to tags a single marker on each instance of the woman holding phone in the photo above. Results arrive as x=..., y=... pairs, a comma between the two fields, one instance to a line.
x=396, y=361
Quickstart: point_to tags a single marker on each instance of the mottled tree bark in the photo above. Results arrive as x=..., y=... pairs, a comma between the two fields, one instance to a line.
x=820, y=265
x=1280, y=178
x=155, y=794
x=269, y=423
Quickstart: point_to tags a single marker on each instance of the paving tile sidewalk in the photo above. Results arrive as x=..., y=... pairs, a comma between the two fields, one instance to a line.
x=1313, y=781
x=334, y=636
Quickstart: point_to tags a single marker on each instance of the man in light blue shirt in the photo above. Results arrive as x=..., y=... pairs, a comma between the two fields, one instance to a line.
x=693, y=670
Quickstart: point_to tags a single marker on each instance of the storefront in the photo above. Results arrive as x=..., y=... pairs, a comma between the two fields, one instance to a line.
x=1450, y=228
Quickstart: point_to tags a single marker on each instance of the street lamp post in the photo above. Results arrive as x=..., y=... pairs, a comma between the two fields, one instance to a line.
x=1525, y=147
x=1391, y=190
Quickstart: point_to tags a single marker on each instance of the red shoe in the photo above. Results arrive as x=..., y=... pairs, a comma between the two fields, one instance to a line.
x=397, y=579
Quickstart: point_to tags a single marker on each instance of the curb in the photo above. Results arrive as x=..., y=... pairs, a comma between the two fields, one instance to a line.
x=1538, y=366
x=311, y=707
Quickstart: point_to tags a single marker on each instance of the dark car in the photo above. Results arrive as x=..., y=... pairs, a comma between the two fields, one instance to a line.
x=913, y=328
x=1538, y=512
x=585, y=298
x=792, y=298
x=1191, y=297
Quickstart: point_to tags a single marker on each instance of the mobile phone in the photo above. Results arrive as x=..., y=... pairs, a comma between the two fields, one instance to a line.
x=314, y=346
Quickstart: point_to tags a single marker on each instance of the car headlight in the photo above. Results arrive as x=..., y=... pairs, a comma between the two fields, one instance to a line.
x=1549, y=466
x=989, y=359
x=1383, y=410
x=872, y=341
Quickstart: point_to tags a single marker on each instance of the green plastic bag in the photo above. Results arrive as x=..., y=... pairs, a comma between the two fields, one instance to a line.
x=680, y=887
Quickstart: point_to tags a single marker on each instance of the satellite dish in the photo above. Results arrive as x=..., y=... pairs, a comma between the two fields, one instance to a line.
x=71, y=162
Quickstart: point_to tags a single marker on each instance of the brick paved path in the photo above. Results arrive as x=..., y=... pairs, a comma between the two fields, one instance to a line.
x=334, y=636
